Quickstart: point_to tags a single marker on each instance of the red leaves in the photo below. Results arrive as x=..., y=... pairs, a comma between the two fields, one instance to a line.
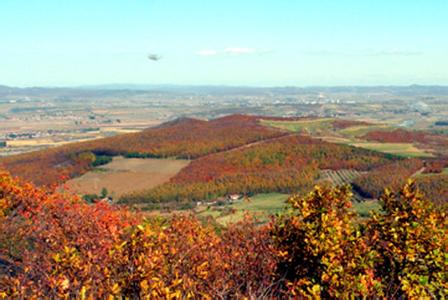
x=284, y=164
x=39, y=224
x=406, y=136
x=392, y=175
x=57, y=246
x=186, y=138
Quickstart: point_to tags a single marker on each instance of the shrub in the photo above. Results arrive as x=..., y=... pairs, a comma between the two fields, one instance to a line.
x=320, y=252
x=411, y=249
x=57, y=246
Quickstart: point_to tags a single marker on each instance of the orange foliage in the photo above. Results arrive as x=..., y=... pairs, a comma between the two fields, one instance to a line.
x=406, y=136
x=393, y=176
x=56, y=246
x=284, y=164
x=435, y=188
x=342, y=124
x=40, y=228
x=184, y=138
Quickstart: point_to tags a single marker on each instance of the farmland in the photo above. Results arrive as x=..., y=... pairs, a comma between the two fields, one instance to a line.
x=340, y=177
x=313, y=126
x=357, y=131
x=183, y=138
x=239, y=154
x=263, y=206
x=260, y=206
x=288, y=164
x=401, y=149
x=361, y=135
x=364, y=208
x=124, y=175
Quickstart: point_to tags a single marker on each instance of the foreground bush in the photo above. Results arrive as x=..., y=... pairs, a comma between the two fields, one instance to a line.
x=321, y=253
x=57, y=246
x=409, y=240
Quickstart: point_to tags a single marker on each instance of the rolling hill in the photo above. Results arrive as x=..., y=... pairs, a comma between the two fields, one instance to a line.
x=239, y=154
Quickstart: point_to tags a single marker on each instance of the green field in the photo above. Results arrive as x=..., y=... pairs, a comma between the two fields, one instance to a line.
x=357, y=131
x=349, y=136
x=364, y=208
x=261, y=206
x=309, y=126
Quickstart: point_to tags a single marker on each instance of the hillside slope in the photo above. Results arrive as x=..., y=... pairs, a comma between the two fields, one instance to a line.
x=287, y=164
x=184, y=138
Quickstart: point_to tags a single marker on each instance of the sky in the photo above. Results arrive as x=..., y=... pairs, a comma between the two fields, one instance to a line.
x=232, y=42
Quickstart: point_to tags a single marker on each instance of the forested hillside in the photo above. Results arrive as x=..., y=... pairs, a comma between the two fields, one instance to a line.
x=241, y=154
x=285, y=164
x=184, y=138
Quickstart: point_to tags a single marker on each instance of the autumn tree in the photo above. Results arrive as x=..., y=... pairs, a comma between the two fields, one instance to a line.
x=409, y=240
x=321, y=252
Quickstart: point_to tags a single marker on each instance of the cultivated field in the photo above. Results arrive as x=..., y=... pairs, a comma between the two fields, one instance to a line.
x=401, y=149
x=260, y=206
x=357, y=131
x=323, y=128
x=340, y=177
x=312, y=126
x=124, y=175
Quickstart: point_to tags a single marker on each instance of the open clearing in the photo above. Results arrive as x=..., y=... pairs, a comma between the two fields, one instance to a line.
x=124, y=175
x=261, y=206
x=310, y=126
x=402, y=149
x=357, y=131
x=363, y=209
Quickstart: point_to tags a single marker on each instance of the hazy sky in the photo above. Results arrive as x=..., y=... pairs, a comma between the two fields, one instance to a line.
x=231, y=42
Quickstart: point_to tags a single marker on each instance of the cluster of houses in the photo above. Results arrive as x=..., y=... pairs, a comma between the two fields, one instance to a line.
x=229, y=199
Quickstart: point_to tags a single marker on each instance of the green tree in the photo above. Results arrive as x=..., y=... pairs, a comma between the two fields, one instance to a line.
x=104, y=192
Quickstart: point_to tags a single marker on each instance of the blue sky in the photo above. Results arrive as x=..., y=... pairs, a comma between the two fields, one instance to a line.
x=243, y=42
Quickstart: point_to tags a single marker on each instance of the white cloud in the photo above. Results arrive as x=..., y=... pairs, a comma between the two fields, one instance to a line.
x=233, y=51
x=239, y=51
x=207, y=52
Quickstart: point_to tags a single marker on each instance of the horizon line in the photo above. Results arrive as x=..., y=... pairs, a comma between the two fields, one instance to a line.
x=148, y=85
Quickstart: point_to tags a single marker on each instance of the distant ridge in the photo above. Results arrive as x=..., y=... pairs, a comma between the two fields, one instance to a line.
x=415, y=90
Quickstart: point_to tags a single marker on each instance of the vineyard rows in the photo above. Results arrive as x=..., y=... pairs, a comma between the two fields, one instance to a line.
x=342, y=177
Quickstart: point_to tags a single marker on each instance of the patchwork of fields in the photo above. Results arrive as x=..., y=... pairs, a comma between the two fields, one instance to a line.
x=355, y=135
x=263, y=159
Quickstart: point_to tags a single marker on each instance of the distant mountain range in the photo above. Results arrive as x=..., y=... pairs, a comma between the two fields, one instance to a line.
x=113, y=89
